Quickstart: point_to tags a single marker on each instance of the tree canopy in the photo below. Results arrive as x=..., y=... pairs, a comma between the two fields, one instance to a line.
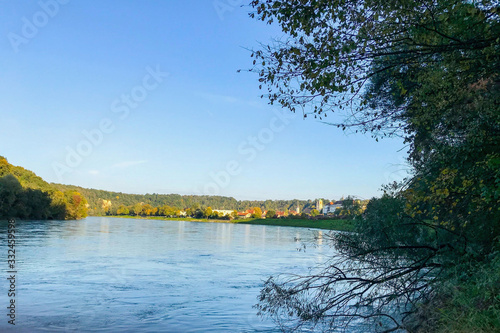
x=427, y=71
x=25, y=195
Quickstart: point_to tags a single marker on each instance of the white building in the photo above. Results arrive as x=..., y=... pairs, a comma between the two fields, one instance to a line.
x=331, y=207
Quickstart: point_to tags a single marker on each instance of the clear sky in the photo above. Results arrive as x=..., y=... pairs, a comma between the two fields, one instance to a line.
x=145, y=97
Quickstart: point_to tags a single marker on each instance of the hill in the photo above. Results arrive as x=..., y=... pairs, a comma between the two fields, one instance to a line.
x=102, y=201
x=25, y=195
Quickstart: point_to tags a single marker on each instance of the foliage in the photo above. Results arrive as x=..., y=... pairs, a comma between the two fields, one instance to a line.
x=350, y=208
x=257, y=212
x=76, y=207
x=369, y=276
x=208, y=212
x=123, y=210
x=427, y=71
x=179, y=202
x=137, y=209
x=468, y=302
x=271, y=214
x=24, y=195
x=351, y=56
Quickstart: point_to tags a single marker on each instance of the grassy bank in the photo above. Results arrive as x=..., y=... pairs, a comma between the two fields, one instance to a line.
x=465, y=303
x=340, y=225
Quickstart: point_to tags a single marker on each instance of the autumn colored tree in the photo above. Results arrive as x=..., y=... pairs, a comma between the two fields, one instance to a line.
x=122, y=210
x=208, y=212
x=257, y=212
x=76, y=207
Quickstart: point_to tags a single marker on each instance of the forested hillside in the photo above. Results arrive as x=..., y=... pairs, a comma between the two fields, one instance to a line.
x=25, y=195
x=98, y=206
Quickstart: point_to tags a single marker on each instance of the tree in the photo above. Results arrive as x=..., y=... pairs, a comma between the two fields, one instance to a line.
x=147, y=210
x=122, y=210
x=343, y=55
x=387, y=263
x=37, y=205
x=427, y=71
x=76, y=207
x=10, y=194
x=137, y=209
x=257, y=212
x=208, y=212
x=314, y=212
x=25, y=195
x=198, y=213
x=57, y=206
x=350, y=207
x=271, y=214
x=167, y=211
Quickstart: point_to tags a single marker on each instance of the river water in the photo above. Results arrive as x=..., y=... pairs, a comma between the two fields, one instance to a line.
x=126, y=275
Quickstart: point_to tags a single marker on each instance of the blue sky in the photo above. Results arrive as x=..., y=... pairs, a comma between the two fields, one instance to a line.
x=145, y=97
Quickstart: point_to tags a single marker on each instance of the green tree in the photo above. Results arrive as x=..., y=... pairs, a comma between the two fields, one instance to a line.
x=314, y=212
x=350, y=207
x=25, y=195
x=58, y=205
x=198, y=213
x=167, y=211
x=427, y=71
x=271, y=214
x=10, y=197
x=137, y=209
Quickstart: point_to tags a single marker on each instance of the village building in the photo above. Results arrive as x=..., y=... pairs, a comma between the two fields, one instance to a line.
x=331, y=207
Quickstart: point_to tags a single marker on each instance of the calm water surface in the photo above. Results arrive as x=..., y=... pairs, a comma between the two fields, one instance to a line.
x=127, y=275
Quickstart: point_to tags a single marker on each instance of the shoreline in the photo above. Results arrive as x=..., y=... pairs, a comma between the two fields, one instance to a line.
x=337, y=225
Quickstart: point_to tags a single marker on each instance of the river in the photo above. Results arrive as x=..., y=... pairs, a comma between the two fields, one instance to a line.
x=108, y=274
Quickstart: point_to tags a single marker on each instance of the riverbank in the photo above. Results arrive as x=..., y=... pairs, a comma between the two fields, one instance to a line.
x=339, y=225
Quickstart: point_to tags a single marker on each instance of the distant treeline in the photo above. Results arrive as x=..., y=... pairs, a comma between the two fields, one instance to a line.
x=24, y=195
x=98, y=206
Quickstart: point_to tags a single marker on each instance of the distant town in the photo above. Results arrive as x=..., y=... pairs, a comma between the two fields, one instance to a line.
x=319, y=209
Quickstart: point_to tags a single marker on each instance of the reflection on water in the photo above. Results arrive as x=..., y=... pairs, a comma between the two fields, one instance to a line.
x=108, y=274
